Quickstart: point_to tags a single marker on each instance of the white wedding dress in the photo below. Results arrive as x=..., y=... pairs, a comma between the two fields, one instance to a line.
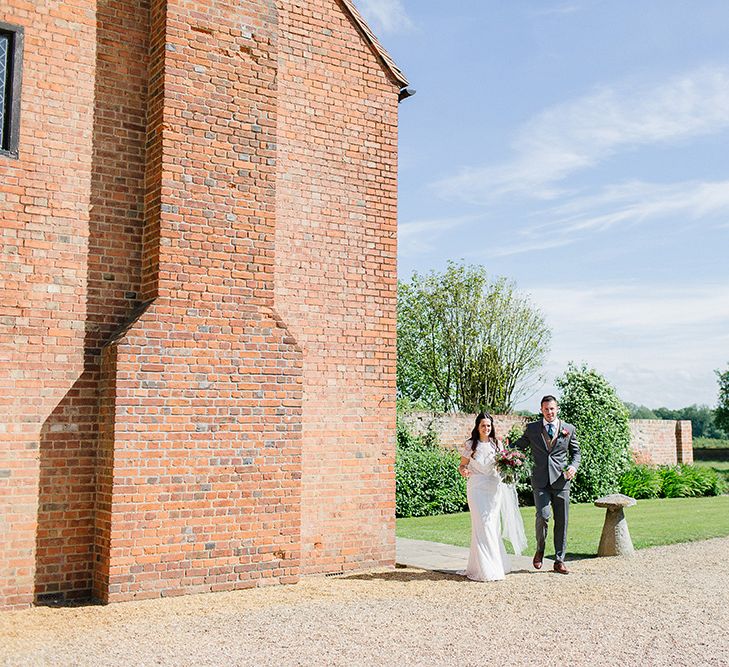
x=489, y=501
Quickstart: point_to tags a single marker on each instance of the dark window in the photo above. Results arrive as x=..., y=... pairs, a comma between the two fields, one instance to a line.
x=11, y=66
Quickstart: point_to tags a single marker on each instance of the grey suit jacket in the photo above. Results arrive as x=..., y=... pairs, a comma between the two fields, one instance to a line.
x=549, y=464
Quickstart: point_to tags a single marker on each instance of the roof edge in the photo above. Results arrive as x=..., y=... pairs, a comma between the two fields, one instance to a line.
x=379, y=50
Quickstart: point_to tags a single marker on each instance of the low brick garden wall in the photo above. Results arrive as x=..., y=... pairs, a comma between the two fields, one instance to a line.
x=655, y=441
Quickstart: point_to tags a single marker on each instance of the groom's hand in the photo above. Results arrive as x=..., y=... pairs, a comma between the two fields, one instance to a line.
x=569, y=473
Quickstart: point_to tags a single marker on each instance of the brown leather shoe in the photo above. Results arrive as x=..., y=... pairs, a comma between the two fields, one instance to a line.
x=537, y=560
x=560, y=567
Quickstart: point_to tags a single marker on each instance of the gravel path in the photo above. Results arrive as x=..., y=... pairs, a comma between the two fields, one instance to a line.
x=666, y=606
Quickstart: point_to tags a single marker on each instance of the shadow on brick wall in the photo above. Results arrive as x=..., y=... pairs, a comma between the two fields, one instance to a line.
x=69, y=437
x=64, y=539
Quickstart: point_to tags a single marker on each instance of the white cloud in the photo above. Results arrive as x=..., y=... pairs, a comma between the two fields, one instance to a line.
x=529, y=245
x=638, y=310
x=636, y=202
x=386, y=15
x=626, y=204
x=422, y=236
x=579, y=134
x=658, y=346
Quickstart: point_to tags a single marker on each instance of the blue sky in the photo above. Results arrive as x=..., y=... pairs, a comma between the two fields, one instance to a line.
x=580, y=148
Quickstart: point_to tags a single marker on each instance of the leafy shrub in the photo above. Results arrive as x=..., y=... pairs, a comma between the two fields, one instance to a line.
x=675, y=483
x=721, y=414
x=515, y=432
x=679, y=481
x=683, y=481
x=709, y=481
x=523, y=481
x=591, y=404
x=717, y=484
x=641, y=481
x=427, y=481
x=406, y=439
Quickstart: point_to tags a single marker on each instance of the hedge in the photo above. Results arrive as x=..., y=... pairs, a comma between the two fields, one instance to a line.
x=427, y=481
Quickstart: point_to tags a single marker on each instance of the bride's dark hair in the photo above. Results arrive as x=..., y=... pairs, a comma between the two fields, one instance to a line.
x=475, y=434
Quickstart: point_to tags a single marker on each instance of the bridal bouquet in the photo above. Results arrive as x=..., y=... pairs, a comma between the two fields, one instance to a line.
x=508, y=462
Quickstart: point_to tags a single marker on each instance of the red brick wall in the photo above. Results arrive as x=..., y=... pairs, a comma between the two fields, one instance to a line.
x=684, y=441
x=205, y=472
x=655, y=441
x=661, y=442
x=336, y=278
x=198, y=302
x=454, y=429
x=68, y=449
x=44, y=212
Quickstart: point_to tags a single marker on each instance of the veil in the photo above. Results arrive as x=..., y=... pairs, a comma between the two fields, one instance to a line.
x=512, y=526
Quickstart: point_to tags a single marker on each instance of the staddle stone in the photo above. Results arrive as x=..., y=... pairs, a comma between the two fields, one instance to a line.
x=615, y=500
x=615, y=539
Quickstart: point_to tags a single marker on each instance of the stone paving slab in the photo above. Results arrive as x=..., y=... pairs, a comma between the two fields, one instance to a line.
x=448, y=558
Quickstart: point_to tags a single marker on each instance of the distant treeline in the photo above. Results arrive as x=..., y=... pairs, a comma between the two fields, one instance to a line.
x=701, y=416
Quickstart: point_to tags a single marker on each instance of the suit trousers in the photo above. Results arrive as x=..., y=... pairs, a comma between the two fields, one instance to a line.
x=559, y=500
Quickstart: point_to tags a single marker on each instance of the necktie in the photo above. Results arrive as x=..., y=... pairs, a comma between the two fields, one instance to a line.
x=550, y=431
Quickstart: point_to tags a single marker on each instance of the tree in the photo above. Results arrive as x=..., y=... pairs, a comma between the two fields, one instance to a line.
x=702, y=418
x=721, y=414
x=590, y=403
x=640, y=411
x=703, y=421
x=466, y=343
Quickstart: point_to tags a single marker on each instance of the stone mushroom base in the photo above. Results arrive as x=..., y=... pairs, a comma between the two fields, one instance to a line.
x=615, y=539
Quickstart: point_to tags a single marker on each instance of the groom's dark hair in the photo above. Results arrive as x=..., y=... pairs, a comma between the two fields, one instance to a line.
x=548, y=399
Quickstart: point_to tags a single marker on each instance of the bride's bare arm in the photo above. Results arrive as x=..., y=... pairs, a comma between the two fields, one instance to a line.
x=463, y=467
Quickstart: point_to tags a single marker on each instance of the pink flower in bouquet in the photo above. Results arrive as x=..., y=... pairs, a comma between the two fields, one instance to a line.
x=507, y=461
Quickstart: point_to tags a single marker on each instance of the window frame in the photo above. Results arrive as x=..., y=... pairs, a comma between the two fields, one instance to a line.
x=11, y=131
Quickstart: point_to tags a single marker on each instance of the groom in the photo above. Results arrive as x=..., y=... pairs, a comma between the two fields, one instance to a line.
x=556, y=454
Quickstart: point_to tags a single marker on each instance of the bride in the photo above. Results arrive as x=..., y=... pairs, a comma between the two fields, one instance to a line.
x=489, y=500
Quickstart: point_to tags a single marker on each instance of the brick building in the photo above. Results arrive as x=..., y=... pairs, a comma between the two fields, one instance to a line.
x=197, y=296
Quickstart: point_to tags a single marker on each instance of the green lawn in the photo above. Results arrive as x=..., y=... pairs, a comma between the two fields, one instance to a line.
x=651, y=523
